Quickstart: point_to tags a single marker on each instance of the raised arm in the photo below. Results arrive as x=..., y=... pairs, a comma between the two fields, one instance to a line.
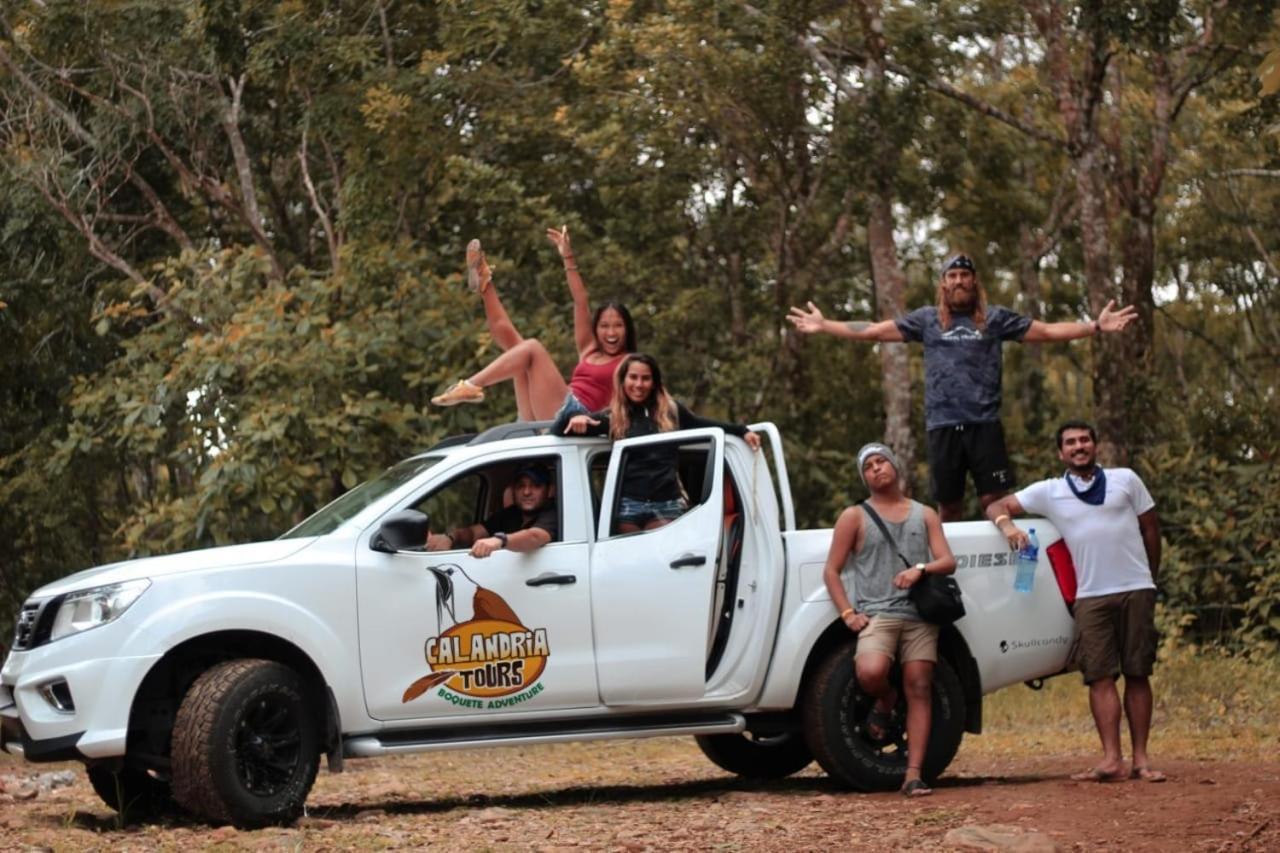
x=1108, y=321
x=1001, y=512
x=584, y=336
x=811, y=321
x=843, y=539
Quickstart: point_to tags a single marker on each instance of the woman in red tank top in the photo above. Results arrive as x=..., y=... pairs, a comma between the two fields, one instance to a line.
x=603, y=339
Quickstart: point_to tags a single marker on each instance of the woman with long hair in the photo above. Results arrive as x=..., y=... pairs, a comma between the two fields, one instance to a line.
x=642, y=406
x=603, y=338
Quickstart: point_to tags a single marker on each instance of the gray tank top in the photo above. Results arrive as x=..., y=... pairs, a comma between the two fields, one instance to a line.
x=868, y=575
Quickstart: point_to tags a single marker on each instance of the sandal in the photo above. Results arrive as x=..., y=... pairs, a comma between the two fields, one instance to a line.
x=1097, y=774
x=916, y=788
x=879, y=724
x=461, y=391
x=478, y=273
x=1147, y=774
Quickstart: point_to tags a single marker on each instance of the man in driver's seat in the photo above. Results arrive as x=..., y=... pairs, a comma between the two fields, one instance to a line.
x=529, y=523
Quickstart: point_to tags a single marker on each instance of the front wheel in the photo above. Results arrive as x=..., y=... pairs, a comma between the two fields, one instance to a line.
x=245, y=744
x=764, y=757
x=835, y=714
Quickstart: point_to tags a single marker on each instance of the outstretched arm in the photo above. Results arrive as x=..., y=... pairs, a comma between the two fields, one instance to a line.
x=583, y=335
x=811, y=321
x=1108, y=321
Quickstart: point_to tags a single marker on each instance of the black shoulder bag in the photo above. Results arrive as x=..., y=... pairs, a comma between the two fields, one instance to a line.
x=937, y=597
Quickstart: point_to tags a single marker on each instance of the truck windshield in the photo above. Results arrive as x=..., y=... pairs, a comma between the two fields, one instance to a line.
x=332, y=516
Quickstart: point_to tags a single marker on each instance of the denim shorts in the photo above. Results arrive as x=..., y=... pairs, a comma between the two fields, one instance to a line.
x=570, y=407
x=635, y=511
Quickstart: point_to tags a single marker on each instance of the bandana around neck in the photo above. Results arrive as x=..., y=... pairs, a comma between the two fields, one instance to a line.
x=1097, y=491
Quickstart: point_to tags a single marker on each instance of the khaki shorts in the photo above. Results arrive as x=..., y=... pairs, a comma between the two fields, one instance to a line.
x=1117, y=635
x=889, y=635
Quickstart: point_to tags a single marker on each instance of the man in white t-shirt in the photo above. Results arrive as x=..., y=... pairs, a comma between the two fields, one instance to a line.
x=1108, y=520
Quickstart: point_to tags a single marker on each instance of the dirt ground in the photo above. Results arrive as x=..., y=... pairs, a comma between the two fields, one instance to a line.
x=662, y=794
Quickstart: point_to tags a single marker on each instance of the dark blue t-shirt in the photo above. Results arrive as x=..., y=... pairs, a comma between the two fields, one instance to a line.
x=962, y=366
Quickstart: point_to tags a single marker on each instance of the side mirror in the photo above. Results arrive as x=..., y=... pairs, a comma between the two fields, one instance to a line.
x=402, y=531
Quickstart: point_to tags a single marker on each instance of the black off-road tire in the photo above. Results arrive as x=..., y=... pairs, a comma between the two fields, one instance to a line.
x=835, y=714
x=765, y=757
x=134, y=794
x=245, y=744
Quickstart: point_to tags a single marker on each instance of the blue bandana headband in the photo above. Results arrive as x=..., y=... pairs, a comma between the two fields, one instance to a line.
x=959, y=261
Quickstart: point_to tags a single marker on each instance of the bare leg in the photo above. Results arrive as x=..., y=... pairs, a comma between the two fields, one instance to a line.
x=917, y=683
x=501, y=328
x=1104, y=702
x=989, y=499
x=524, y=406
x=952, y=511
x=872, y=671
x=530, y=360
x=655, y=523
x=628, y=527
x=1137, y=709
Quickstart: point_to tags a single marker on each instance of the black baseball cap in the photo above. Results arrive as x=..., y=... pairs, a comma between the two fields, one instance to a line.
x=538, y=473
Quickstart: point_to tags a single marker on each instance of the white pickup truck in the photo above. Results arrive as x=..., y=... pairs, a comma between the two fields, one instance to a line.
x=214, y=680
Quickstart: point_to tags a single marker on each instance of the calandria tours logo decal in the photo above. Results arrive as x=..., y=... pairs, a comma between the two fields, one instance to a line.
x=489, y=661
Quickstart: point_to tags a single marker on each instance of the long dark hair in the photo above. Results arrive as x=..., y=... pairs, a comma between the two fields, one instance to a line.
x=660, y=403
x=628, y=345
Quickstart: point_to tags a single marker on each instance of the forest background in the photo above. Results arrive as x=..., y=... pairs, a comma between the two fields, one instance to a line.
x=232, y=233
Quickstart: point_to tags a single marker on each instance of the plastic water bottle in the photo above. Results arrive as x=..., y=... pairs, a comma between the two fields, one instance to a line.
x=1028, y=556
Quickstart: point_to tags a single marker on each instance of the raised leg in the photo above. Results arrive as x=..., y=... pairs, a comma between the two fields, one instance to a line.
x=529, y=360
x=501, y=328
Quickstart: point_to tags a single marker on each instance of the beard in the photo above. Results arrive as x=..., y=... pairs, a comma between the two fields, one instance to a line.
x=961, y=300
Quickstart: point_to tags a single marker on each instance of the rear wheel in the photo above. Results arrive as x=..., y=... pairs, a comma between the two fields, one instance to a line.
x=835, y=714
x=245, y=744
x=135, y=794
x=763, y=757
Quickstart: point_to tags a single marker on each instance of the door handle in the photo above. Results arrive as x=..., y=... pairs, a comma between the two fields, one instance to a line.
x=549, y=579
x=692, y=560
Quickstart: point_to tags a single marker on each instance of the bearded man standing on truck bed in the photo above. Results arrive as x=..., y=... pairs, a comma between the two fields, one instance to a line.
x=883, y=616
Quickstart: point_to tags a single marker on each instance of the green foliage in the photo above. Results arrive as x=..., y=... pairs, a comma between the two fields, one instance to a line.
x=232, y=231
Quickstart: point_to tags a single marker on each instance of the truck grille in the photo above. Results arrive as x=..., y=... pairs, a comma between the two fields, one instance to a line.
x=25, y=633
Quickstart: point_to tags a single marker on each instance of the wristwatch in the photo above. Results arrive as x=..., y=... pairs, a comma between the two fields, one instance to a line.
x=501, y=537
x=923, y=570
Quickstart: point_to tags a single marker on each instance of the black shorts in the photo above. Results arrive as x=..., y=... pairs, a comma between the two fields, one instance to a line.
x=968, y=448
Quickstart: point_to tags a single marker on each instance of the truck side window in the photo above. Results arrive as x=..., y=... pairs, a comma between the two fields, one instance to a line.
x=597, y=472
x=671, y=476
x=460, y=503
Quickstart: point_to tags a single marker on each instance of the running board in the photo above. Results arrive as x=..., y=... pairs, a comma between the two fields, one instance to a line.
x=601, y=728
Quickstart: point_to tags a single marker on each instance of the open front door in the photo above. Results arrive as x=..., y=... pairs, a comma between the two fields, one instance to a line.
x=651, y=591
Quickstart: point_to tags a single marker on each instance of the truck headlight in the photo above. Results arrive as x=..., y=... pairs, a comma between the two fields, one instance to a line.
x=80, y=611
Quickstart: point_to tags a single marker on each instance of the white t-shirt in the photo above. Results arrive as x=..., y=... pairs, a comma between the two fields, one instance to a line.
x=1105, y=542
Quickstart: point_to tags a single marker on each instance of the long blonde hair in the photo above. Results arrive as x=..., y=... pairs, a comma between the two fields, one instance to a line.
x=979, y=313
x=660, y=402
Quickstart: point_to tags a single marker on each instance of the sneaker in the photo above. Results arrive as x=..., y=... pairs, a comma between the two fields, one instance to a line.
x=478, y=274
x=461, y=391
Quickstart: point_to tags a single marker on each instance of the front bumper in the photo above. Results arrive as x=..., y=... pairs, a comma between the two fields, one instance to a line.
x=15, y=741
x=101, y=689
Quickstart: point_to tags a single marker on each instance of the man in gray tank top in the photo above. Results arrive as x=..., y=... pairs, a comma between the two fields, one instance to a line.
x=881, y=613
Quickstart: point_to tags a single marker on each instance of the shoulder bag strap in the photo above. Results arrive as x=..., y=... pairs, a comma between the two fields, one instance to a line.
x=875, y=516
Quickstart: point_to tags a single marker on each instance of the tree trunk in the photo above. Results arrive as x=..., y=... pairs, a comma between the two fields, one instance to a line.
x=895, y=376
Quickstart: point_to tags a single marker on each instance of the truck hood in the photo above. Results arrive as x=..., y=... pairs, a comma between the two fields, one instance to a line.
x=228, y=556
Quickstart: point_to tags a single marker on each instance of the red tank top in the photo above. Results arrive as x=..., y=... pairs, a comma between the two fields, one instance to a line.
x=592, y=384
